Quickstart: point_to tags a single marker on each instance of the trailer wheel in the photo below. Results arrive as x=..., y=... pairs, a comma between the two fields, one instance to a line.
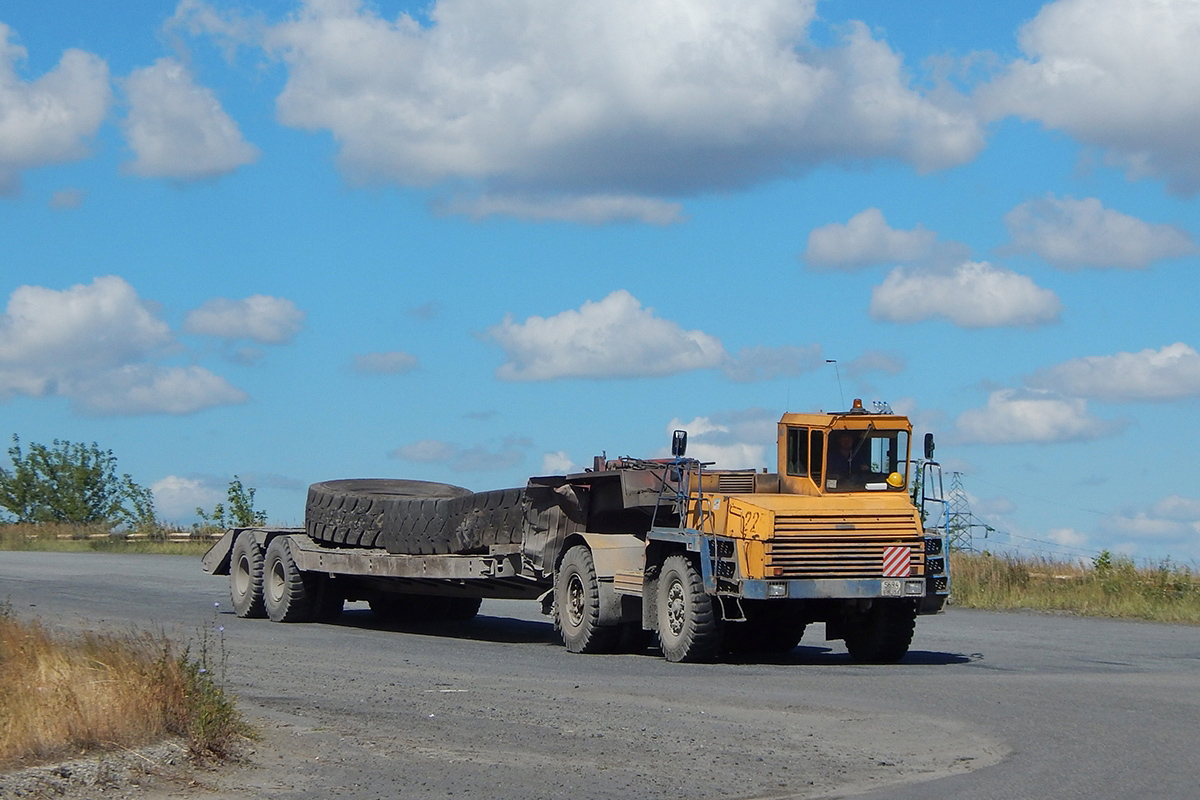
x=329, y=599
x=288, y=593
x=246, y=577
x=689, y=629
x=577, y=604
x=882, y=635
x=462, y=609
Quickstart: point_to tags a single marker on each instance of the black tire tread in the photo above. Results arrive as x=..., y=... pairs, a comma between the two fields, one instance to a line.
x=883, y=634
x=700, y=638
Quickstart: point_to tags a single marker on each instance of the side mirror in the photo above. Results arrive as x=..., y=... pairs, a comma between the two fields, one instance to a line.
x=928, y=446
x=679, y=444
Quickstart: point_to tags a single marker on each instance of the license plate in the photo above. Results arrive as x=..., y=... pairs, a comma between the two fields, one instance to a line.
x=893, y=588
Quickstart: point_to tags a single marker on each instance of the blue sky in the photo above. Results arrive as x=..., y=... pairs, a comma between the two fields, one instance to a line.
x=476, y=241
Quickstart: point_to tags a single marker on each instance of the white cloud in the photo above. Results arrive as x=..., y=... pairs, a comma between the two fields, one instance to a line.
x=593, y=209
x=866, y=240
x=178, y=130
x=1022, y=415
x=177, y=497
x=103, y=324
x=742, y=439
x=876, y=361
x=630, y=97
x=90, y=344
x=558, y=463
x=1070, y=234
x=153, y=389
x=395, y=362
x=1121, y=75
x=612, y=338
x=1145, y=526
x=47, y=121
x=477, y=458
x=973, y=295
x=67, y=199
x=430, y=451
x=766, y=363
x=1176, y=507
x=1067, y=537
x=1148, y=375
x=260, y=317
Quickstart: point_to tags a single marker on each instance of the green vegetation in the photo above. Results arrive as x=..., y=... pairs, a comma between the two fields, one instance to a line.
x=97, y=692
x=69, y=497
x=1111, y=586
x=239, y=514
x=72, y=482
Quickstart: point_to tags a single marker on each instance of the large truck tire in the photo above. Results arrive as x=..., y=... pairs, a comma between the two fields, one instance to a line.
x=771, y=627
x=423, y=525
x=689, y=627
x=357, y=512
x=288, y=593
x=488, y=519
x=883, y=634
x=577, y=605
x=246, y=577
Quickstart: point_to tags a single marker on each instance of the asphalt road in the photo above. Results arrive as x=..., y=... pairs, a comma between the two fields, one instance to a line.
x=984, y=706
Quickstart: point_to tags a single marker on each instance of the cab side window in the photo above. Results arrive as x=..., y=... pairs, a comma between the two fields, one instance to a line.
x=797, y=451
x=816, y=447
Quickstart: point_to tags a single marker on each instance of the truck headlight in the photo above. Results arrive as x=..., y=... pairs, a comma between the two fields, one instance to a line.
x=777, y=590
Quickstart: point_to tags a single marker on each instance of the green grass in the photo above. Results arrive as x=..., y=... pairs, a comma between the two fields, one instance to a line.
x=1111, y=586
x=86, y=539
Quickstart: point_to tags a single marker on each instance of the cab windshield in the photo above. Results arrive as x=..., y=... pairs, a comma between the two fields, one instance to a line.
x=862, y=460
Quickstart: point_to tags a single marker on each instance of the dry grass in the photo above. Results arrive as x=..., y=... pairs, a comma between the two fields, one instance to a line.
x=1112, y=586
x=84, y=539
x=60, y=698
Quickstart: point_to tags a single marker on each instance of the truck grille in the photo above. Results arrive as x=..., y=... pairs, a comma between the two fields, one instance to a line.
x=850, y=546
x=735, y=482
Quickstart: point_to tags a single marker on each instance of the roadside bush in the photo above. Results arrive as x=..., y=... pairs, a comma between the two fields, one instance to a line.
x=99, y=692
x=240, y=512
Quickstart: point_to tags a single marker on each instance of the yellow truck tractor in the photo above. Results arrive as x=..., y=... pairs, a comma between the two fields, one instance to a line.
x=705, y=561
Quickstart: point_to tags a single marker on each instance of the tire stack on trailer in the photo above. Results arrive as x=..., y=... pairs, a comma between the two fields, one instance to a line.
x=413, y=517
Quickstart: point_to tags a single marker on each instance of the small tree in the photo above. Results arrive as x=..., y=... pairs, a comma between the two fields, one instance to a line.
x=71, y=482
x=239, y=514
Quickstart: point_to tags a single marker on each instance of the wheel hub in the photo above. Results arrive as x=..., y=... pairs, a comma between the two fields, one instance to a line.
x=675, y=607
x=241, y=576
x=575, y=601
x=278, y=582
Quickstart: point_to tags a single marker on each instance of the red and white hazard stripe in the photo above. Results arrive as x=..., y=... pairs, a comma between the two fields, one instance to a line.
x=896, y=562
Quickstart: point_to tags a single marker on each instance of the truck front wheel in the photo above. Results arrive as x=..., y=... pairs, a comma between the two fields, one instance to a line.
x=882, y=634
x=577, y=604
x=287, y=592
x=689, y=627
x=246, y=577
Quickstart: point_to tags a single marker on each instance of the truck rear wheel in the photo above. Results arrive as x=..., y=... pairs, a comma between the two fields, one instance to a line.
x=882, y=635
x=246, y=577
x=577, y=604
x=287, y=592
x=689, y=628
x=771, y=626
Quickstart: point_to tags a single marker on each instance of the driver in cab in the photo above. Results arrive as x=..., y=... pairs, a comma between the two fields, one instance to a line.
x=845, y=459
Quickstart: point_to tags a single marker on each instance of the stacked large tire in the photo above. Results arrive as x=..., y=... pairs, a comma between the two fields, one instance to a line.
x=414, y=517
